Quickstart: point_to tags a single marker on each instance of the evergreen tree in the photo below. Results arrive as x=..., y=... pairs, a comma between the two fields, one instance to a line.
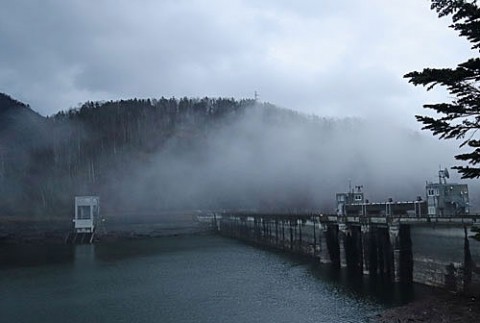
x=460, y=118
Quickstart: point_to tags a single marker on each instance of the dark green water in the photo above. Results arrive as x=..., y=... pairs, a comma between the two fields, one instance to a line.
x=178, y=279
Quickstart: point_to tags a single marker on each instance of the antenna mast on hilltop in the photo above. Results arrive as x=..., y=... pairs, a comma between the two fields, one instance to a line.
x=256, y=96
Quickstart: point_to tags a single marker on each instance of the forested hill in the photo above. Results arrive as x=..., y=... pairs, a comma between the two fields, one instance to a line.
x=146, y=156
x=22, y=133
x=107, y=148
x=17, y=118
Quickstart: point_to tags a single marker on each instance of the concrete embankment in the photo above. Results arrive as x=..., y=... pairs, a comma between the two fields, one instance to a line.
x=446, y=256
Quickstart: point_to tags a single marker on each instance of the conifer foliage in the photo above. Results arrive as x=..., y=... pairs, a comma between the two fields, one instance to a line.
x=460, y=118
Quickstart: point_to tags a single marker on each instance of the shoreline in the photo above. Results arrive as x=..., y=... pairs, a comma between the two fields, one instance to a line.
x=59, y=236
x=442, y=306
x=55, y=230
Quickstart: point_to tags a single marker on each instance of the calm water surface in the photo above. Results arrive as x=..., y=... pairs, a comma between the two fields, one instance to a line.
x=179, y=279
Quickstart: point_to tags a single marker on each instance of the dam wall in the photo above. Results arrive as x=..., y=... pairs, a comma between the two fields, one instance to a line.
x=442, y=254
x=446, y=256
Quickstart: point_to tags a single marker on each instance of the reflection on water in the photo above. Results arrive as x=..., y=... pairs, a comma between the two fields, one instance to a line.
x=181, y=279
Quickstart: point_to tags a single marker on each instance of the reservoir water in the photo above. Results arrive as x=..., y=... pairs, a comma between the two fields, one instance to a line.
x=198, y=278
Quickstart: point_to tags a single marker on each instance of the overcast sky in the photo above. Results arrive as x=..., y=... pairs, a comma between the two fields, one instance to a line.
x=327, y=57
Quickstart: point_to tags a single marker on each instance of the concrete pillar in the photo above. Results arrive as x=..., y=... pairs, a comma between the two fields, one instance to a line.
x=385, y=253
x=406, y=255
x=314, y=237
x=290, y=226
x=256, y=229
x=343, y=231
x=300, y=236
x=467, y=263
x=354, y=249
x=264, y=230
x=276, y=232
x=365, y=231
x=373, y=251
x=393, y=255
x=322, y=244
x=333, y=244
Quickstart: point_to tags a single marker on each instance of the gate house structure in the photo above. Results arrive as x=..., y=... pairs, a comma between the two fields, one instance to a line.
x=86, y=213
x=442, y=200
x=86, y=216
x=447, y=199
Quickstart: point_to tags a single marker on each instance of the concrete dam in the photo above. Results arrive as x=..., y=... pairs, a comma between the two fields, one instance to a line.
x=440, y=252
x=433, y=241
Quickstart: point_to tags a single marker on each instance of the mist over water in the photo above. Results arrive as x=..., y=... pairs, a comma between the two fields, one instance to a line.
x=267, y=158
x=151, y=157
